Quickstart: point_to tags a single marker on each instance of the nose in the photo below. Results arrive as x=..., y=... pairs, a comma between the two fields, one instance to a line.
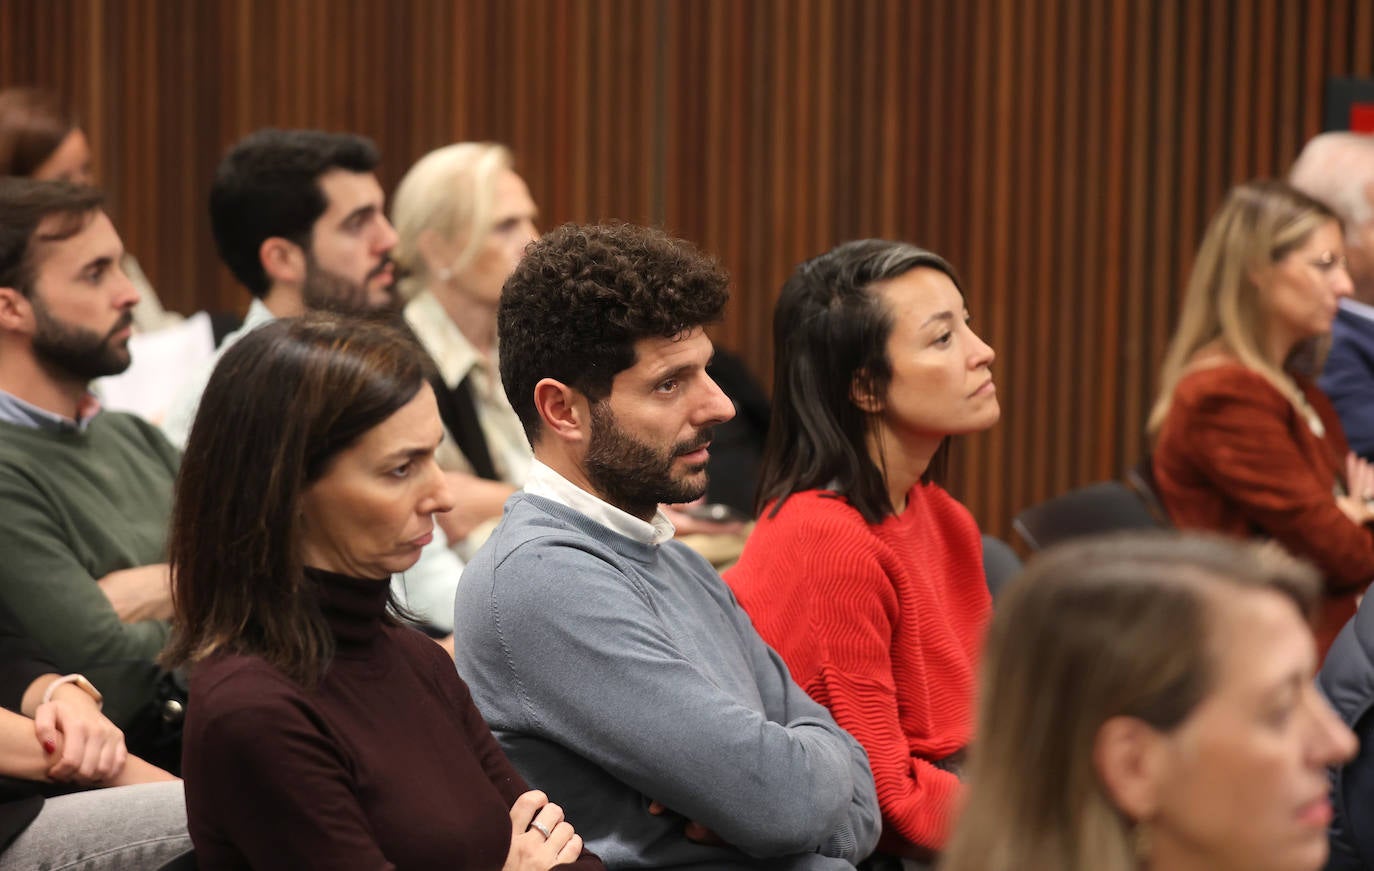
x=127, y=294
x=716, y=407
x=981, y=354
x=439, y=497
x=1333, y=743
x=1342, y=283
x=387, y=237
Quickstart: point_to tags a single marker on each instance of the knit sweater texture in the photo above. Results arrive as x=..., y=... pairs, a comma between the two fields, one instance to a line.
x=617, y=673
x=77, y=506
x=386, y=764
x=881, y=623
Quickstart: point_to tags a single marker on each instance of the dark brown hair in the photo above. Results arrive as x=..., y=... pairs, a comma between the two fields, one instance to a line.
x=831, y=328
x=582, y=297
x=33, y=124
x=280, y=406
x=24, y=204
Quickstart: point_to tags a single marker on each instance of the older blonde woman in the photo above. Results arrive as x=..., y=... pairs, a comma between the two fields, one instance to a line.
x=464, y=218
x=1245, y=442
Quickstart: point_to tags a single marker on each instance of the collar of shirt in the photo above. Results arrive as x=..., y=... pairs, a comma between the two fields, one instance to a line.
x=545, y=482
x=20, y=413
x=454, y=356
x=1355, y=307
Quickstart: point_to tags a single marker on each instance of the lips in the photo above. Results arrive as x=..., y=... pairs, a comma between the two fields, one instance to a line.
x=1316, y=813
x=985, y=388
x=422, y=540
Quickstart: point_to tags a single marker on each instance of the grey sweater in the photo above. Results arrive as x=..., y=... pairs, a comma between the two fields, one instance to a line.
x=615, y=673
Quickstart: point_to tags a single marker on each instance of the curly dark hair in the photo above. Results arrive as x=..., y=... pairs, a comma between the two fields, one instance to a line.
x=584, y=295
x=268, y=185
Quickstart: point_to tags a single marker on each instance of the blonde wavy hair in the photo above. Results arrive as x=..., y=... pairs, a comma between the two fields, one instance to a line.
x=1259, y=224
x=451, y=193
x=1098, y=628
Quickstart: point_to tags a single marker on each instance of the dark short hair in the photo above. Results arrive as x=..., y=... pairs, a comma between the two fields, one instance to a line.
x=582, y=297
x=33, y=124
x=268, y=185
x=829, y=329
x=281, y=405
x=24, y=204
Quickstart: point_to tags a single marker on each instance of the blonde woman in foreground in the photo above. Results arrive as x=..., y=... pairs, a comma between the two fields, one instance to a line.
x=1148, y=703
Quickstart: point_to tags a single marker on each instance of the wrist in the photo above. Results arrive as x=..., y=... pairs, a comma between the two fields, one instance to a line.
x=71, y=684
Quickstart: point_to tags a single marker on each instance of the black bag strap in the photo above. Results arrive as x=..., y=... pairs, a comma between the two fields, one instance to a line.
x=458, y=410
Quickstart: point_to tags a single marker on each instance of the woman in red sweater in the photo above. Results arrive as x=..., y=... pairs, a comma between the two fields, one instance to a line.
x=1245, y=442
x=863, y=573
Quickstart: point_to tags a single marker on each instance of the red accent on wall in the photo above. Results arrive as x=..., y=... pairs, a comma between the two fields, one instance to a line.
x=1362, y=117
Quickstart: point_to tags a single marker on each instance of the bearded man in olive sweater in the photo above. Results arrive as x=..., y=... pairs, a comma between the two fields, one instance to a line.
x=85, y=495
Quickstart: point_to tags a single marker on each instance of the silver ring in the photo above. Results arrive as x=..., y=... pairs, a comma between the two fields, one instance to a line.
x=542, y=829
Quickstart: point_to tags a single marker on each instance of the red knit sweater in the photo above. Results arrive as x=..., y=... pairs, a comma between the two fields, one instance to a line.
x=883, y=625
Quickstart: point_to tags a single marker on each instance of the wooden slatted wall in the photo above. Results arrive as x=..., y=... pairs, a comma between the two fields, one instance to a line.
x=1064, y=154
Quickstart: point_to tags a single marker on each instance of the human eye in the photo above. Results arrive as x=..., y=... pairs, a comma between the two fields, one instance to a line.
x=667, y=385
x=1328, y=260
x=403, y=470
x=944, y=339
x=96, y=272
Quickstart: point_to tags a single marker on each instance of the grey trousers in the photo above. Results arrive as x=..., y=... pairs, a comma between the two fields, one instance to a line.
x=124, y=827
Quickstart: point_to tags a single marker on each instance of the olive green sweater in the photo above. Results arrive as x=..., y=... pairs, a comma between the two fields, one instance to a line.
x=75, y=506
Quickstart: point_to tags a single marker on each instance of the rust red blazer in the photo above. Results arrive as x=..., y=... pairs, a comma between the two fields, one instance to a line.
x=1235, y=456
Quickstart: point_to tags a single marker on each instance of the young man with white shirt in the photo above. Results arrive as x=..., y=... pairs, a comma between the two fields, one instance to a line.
x=298, y=217
x=611, y=662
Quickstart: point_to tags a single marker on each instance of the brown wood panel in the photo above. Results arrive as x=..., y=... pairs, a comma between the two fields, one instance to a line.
x=1064, y=154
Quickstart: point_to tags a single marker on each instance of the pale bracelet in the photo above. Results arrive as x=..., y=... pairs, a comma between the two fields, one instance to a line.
x=79, y=680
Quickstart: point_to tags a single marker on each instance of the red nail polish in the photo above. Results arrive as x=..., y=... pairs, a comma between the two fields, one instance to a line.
x=49, y=745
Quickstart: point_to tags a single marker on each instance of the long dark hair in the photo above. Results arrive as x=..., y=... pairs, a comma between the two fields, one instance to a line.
x=281, y=404
x=829, y=329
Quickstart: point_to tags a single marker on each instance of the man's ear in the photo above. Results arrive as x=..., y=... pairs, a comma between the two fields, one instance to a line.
x=862, y=395
x=563, y=411
x=16, y=311
x=282, y=260
x=1132, y=759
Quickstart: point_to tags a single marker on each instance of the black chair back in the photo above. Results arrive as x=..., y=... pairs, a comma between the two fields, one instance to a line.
x=1102, y=507
x=1141, y=479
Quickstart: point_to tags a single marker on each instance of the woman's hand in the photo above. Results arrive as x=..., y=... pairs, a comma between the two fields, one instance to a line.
x=1358, y=503
x=530, y=850
x=81, y=744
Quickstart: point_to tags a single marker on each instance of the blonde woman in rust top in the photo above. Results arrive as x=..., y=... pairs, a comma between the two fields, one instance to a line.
x=324, y=733
x=1245, y=442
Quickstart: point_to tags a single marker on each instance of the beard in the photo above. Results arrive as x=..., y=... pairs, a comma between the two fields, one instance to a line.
x=76, y=353
x=634, y=476
x=328, y=291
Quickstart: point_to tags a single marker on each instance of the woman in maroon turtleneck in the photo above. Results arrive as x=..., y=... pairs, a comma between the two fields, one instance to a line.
x=322, y=731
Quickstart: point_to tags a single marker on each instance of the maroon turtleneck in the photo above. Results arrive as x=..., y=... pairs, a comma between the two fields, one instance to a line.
x=387, y=764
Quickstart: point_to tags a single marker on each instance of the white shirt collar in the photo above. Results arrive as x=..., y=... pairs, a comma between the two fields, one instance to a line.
x=548, y=484
x=453, y=355
x=1355, y=307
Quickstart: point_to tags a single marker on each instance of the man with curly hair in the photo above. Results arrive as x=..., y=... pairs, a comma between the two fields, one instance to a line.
x=611, y=662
